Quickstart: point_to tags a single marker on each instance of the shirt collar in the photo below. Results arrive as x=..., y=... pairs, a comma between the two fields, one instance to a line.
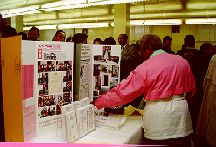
x=157, y=52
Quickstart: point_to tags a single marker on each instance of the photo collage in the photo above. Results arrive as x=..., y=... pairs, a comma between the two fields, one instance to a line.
x=54, y=86
x=105, y=72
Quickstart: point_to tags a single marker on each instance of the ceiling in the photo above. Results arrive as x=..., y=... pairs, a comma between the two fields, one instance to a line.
x=149, y=9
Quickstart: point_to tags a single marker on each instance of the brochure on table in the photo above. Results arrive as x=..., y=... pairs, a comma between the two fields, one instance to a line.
x=37, y=82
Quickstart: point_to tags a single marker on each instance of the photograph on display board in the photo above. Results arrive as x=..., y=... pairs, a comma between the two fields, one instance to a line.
x=105, y=71
x=106, y=57
x=46, y=66
x=46, y=100
x=63, y=65
x=67, y=98
x=50, y=72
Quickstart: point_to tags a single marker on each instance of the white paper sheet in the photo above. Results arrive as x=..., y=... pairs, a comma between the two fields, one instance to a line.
x=91, y=118
x=82, y=120
x=71, y=125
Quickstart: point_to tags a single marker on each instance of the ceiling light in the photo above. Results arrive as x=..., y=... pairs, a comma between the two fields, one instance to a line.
x=83, y=25
x=201, y=21
x=154, y=22
x=42, y=27
x=20, y=11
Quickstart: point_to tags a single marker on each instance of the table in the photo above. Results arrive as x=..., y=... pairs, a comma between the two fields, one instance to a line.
x=130, y=133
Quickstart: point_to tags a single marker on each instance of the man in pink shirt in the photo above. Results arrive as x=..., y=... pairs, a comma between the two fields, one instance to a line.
x=166, y=81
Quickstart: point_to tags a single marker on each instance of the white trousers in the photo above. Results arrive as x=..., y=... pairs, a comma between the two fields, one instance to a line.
x=168, y=118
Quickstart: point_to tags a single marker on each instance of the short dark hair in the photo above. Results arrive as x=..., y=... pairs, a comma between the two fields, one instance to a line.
x=9, y=32
x=109, y=41
x=35, y=28
x=58, y=31
x=189, y=41
x=167, y=38
x=97, y=40
x=79, y=38
x=124, y=36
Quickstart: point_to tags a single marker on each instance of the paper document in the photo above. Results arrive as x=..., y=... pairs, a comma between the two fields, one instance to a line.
x=130, y=110
x=112, y=121
x=82, y=121
x=71, y=123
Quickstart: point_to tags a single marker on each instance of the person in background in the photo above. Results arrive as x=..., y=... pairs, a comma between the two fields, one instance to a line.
x=166, y=88
x=167, y=42
x=109, y=41
x=2, y=131
x=97, y=41
x=24, y=35
x=206, y=129
x=8, y=31
x=33, y=34
x=80, y=38
x=60, y=35
x=69, y=39
x=130, y=59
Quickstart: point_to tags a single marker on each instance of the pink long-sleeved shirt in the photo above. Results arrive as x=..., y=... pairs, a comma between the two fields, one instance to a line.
x=159, y=77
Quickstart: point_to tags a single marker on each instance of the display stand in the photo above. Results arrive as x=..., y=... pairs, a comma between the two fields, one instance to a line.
x=37, y=81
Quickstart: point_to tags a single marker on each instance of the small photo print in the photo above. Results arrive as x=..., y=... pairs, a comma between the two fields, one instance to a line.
x=105, y=80
x=106, y=52
x=113, y=83
x=68, y=76
x=42, y=78
x=97, y=69
x=46, y=100
x=47, y=111
x=46, y=66
x=97, y=82
x=43, y=89
x=67, y=86
x=67, y=98
x=60, y=101
x=63, y=65
x=115, y=71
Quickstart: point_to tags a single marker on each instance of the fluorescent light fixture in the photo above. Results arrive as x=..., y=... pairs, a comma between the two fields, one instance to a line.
x=20, y=11
x=43, y=27
x=201, y=21
x=83, y=25
x=61, y=5
x=154, y=22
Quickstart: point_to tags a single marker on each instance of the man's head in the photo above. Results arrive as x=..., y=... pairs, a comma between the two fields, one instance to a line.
x=123, y=39
x=148, y=44
x=189, y=41
x=33, y=34
x=59, y=36
x=167, y=41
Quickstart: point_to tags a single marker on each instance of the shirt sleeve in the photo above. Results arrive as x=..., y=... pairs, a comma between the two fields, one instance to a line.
x=126, y=91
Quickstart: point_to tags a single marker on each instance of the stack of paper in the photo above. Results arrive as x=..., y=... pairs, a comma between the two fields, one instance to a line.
x=112, y=121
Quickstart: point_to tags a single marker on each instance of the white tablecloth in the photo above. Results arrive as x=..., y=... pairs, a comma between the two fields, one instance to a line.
x=129, y=133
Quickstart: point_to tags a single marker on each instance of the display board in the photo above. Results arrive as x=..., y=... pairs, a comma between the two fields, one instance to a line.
x=54, y=81
x=83, y=71
x=37, y=82
x=106, y=68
